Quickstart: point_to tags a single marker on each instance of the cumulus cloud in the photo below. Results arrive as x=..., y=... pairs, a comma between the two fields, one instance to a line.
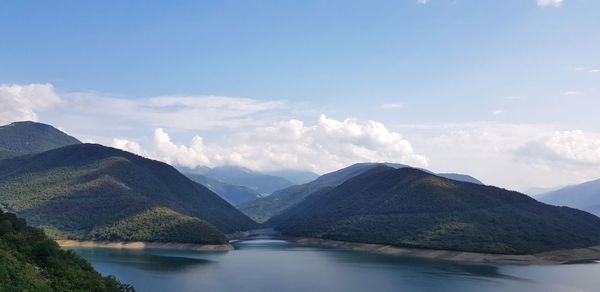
x=565, y=146
x=549, y=3
x=325, y=146
x=422, y=2
x=22, y=102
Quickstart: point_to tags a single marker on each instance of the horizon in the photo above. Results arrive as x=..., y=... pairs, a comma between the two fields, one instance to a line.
x=505, y=92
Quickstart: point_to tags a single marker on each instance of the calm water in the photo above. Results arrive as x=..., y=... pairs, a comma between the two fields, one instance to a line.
x=275, y=265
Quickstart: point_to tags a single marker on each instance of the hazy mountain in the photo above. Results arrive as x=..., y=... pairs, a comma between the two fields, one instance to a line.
x=90, y=191
x=30, y=261
x=585, y=196
x=21, y=138
x=262, y=183
x=536, y=192
x=233, y=194
x=460, y=177
x=295, y=176
x=412, y=208
x=264, y=208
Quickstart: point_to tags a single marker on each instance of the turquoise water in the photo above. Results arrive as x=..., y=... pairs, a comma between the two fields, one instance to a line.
x=276, y=265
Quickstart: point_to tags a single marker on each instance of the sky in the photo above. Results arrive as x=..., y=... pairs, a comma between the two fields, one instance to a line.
x=506, y=91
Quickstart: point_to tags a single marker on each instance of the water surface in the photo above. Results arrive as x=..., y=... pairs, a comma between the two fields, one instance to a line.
x=276, y=265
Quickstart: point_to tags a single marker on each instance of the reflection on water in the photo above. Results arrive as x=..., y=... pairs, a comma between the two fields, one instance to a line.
x=265, y=264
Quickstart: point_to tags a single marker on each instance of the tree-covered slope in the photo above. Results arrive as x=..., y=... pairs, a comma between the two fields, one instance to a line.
x=233, y=194
x=88, y=191
x=411, y=208
x=585, y=196
x=21, y=138
x=30, y=261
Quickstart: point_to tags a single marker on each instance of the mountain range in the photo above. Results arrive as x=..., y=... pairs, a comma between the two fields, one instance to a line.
x=231, y=193
x=409, y=207
x=585, y=196
x=264, y=208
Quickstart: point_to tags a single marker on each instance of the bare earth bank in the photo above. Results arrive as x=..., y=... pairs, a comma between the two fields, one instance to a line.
x=144, y=245
x=545, y=258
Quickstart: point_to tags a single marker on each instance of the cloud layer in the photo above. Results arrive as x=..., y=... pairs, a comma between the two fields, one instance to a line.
x=325, y=146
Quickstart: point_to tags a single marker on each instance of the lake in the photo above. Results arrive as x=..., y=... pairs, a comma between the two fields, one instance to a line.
x=265, y=264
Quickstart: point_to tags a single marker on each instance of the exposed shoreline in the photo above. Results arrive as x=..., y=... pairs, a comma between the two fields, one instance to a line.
x=546, y=258
x=144, y=245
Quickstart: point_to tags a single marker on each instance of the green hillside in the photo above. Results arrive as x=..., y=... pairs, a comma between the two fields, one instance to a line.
x=411, y=208
x=89, y=191
x=21, y=138
x=30, y=261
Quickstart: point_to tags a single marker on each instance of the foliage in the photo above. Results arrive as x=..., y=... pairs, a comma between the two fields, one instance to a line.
x=29, y=137
x=77, y=189
x=161, y=224
x=411, y=208
x=30, y=261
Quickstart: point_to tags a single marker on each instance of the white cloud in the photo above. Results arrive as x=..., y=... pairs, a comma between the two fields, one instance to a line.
x=392, y=105
x=567, y=147
x=328, y=145
x=22, y=102
x=594, y=71
x=549, y=3
x=498, y=112
x=422, y=2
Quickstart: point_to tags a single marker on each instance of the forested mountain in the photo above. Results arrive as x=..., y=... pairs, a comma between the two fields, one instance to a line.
x=262, y=183
x=460, y=177
x=411, y=208
x=89, y=191
x=30, y=261
x=264, y=208
x=233, y=194
x=21, y=138
x=295, y=176
x=585, y=196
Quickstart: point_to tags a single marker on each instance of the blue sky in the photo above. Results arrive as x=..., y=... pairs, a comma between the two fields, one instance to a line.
x=440, y=71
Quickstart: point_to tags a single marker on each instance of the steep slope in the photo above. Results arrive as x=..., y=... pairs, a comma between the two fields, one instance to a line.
x=21, y=138
x=411, y=208
x=262, y=183
x=30, y=261
x=585, y=196
x=84, y=191
x=233, y=194
x=264, y=208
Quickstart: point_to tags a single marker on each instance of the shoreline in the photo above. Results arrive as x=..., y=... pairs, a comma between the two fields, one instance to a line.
x=144, y=245
x=556, y=257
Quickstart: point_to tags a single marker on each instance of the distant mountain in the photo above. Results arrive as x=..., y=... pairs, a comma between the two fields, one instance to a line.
x=233, y=194
x=262, y=183
x=264, y=208
x=460, y=177
x=295, y=176
x=21, y=138
x=89, y=191
x=585, y=196
x=408, y=207
x=30, y=261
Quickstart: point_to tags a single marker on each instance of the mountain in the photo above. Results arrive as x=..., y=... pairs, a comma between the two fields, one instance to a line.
x=264, y=208
x=89, y=191
x=460, y=177
x=21, y=138
x=233, y=194
x=585, y=196
x=408, y=207
x=295, y=176
x=262, y=183
x=30, y=261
